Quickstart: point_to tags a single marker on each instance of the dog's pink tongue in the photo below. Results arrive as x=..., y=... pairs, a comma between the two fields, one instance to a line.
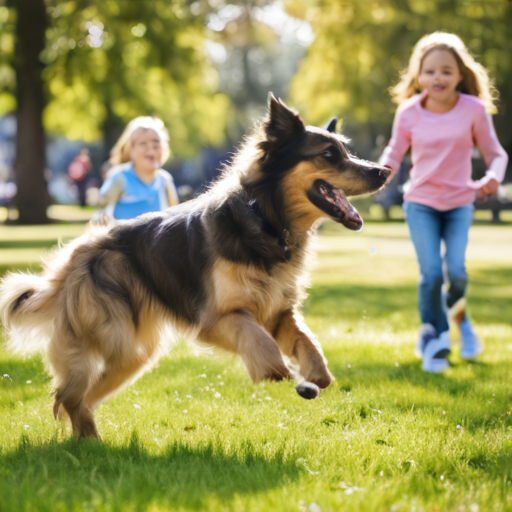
x=349, y=216
x=344, y=205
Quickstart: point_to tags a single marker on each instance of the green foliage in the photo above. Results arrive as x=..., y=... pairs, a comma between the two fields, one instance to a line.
x=7, y=78
x=108, y=61
x=120, y=59
x=195, y=434
x=362, y=46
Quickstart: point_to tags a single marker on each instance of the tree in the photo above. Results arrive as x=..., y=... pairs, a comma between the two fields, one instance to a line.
x=88, y=66
x=110, y=61
x=257, y=51
x=32, y=197
x=361, y=47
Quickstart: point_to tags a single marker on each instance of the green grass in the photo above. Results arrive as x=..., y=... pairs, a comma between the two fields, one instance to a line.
x=196, y=434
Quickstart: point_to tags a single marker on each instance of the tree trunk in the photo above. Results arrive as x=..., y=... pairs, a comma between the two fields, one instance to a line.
x=32, y=198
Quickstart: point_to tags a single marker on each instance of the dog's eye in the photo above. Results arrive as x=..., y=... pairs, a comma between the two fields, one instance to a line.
x=327, y=153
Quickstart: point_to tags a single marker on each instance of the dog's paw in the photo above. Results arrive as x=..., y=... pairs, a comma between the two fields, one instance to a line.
x=308, y=390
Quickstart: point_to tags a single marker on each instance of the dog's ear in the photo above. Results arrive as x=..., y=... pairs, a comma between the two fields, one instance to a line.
x=281, y=124
x=331, y=125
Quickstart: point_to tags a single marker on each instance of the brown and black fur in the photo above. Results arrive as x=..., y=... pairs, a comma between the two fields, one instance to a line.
x=228, y=269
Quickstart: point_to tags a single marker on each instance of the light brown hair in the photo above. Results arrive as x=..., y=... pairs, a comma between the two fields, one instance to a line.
x=475, y=80
x=120, y=153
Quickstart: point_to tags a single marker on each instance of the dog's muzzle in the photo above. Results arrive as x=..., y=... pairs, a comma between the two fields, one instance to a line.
x=334, y=203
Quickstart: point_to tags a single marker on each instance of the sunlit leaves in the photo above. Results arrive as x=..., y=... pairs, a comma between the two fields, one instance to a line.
x=139, y=30
x=7, y=102
x=7, y=75
x=361, y=46
x=75, y=103
x=136, y=59
x=127, y=58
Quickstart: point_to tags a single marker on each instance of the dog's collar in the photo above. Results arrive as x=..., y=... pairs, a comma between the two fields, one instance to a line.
x=282, y=236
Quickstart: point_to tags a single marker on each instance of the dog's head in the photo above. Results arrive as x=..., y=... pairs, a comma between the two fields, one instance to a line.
x=311, y=169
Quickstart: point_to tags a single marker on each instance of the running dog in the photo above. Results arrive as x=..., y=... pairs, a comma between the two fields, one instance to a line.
x=228, y=269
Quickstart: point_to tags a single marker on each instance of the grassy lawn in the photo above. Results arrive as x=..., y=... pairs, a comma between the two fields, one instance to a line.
x=196, y=434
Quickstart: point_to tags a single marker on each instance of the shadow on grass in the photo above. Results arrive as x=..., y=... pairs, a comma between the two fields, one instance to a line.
x=27, y=267
x=28, y=244
x=351, y=302
x=89, y=474
x=18, y=371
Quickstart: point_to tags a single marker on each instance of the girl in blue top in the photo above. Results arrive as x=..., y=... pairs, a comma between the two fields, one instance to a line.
x=136, y=184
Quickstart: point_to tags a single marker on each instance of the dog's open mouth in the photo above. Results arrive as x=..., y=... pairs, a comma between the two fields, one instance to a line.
x=334, y=202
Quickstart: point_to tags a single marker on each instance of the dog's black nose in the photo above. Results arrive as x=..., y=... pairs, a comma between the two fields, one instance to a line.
x=308, y=390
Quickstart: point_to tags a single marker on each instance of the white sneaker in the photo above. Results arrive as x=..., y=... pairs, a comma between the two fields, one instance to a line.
x=471, y=346
x=435, y=354
x=426, y=332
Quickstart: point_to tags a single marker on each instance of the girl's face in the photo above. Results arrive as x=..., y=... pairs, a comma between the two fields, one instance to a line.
x=146, y=150
x=440, y=75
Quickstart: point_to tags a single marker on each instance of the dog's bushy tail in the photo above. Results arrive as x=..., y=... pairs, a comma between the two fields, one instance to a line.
x=25, y=311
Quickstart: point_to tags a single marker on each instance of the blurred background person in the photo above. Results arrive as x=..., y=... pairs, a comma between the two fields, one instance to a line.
x=136, y=183
x=78, y=171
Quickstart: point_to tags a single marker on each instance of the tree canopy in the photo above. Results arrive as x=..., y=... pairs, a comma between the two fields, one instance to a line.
x=107, y=61
x=361, y=47
x=104, y=62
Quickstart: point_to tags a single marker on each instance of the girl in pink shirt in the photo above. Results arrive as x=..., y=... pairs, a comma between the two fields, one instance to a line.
x=444, y=104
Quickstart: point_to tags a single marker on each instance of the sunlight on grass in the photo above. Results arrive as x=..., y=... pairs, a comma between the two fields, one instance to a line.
x=196, y=434
x=59, y=212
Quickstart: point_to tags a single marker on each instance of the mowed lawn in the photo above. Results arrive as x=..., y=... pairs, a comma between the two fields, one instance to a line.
x=196, y=434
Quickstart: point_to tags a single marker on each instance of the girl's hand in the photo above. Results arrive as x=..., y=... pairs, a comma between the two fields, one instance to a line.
x=481, y=195
x=489, y=189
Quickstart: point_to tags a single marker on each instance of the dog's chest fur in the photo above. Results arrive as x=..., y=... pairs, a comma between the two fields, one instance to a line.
x=265, y=294
x=259, y=268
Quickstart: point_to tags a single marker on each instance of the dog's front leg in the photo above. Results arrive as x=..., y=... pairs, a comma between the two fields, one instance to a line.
x=240, y=332
x=297, y=342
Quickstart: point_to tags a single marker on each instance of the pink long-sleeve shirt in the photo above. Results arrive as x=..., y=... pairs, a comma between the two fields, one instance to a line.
x=441, y=146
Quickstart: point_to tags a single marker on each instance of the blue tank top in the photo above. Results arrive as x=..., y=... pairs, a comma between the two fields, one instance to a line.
x=139, y=197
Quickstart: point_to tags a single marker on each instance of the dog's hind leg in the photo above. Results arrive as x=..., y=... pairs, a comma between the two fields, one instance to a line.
x=121, y=369
x=75, y=370
x=113, y=379
x=297, y=342
x=240, y=332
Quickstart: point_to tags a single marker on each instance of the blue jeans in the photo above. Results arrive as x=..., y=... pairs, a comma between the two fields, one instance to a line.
x=427, y=227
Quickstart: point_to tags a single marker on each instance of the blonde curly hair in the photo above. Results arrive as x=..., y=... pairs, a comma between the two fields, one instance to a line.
x=120, y=153
x=475, y=80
